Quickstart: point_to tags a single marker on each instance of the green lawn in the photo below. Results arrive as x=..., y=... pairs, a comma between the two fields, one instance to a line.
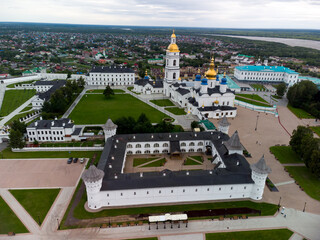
x=276, y=97
x=189, y=161
x=90, y=143
x=9, y=222
x=153, y=238
x=13, y=99
x=37, y=202
x=139, y=161
x=300, y=113
x=252, y=102
x=253, y=97
x=8, y=154
x=162, y=102
x=308, y=181
x=101, y=91
x=176, y=110
x=199, y=158
x=274, y=234
x=259, y=87
x=316, y=130
x=27, y=108
x=96, y=109
x=285, y=154
x=158, y=163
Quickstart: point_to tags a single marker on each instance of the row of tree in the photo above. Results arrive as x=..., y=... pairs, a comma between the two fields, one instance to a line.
x=307, y=147
x=128, y=125
x=16, y=135
x=61, y=99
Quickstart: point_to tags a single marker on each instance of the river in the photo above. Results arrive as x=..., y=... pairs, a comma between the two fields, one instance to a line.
x=288, y=41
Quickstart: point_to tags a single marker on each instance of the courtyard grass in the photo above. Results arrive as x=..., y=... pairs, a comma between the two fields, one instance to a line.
x=276, y=96
x=190, y=161
x=13, y=99
x=252, y=102
x=8, y=154
x=158, y=163
x=316, y=130
x=102, y=90
x=258, y=87
x=176, y=110
x=162, y=102
x=285, y=154
x=37, y=202
x=139, y=161
x=152, y=238
x=300, y=113
x=9, y=222
x=96, y=109
x=198, y=158
x=253, y=97
x=307, y=180
x=273, y=234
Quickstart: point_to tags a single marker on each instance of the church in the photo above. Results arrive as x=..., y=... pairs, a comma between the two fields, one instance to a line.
x=206, y=96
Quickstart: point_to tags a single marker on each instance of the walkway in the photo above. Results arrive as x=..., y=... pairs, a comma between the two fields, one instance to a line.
x=16, y=111
x=74, y=104
x=2, y=92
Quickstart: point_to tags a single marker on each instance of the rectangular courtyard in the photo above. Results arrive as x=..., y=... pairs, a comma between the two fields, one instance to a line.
x=96, y=109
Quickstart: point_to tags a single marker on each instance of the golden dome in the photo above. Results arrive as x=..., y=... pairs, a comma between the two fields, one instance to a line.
x=211, y=73
x=146, y=73
x=173, y=35
x=216, y=101
x=173, y=48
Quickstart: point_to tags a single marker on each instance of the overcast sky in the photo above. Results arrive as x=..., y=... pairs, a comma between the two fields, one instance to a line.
x=184, y=13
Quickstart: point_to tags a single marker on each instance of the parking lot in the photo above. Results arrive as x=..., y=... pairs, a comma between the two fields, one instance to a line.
x=37, y=173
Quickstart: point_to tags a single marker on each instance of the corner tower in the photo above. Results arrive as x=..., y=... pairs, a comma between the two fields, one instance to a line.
x=109, y=129
x=172, y=69
x=223, y=125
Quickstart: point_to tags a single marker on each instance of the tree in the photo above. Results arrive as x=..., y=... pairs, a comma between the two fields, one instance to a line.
x=19, y=126
x=108, y=92
x=281, y=89
x=314, y=163
x=194, y=124
x=68, y=74
x=16, y=139
x=301, y=94
x=308, y=145
x=297, y=136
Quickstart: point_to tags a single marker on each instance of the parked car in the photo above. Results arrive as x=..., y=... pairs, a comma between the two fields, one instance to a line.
x=69, y=160
x=82, y=160
x=75, y=160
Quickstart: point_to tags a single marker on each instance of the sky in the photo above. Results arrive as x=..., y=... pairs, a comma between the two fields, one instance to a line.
x=303, y=14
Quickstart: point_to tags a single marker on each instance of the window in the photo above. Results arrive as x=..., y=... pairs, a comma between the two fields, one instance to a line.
x=129, y=146
x=200, y=144
x=147, y=151
x=129, y=152
x=147, y=192
x=159, y=191
x=196, y=190
x=138, y=152
x=174, y=75
x=164, y=151
x=171, y=191
x=156, y=145
x=121, y=194
x=208, y=189
x=191, y=150
x=231, y=188
x=156, y=151
x=138, y=146
x=183, y=144
x=108, y=195
x=191, y=144
x=199, y=150
x=134, y=193
x=183, y=190
x=244, y=187
x=147, y=145
x=174, y=62
x=219, y=188
x=165, y=145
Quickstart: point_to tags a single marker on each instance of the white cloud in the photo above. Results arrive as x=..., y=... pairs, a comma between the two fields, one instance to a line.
x=205, y=13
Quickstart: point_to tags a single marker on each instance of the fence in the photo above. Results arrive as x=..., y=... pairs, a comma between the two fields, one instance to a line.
x=272, y=110
x=56, y=149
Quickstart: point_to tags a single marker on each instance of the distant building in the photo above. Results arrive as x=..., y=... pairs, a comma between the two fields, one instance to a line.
x=110, y=75
x=53, y=131
x=272, y=74
x=155, y=61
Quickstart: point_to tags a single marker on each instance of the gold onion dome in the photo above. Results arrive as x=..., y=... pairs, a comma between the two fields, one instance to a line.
x=173, y=48
x=211, y=73
x=173, y=35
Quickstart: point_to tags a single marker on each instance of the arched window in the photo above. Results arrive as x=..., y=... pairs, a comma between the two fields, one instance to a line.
x=174, y=75
x=156, y=151
x=183, y=144
x=199, y=150
x=147, y=151
x=129, y=152
x=147, y=145
x=129, y=146
x=174, y=62
x=183, y=150
x=191, y=150
x=138, y=145
x=138, y=152
x=164, y=151
x=165, y=145
x=191, y=144
x=156, y=145
x=200, y=143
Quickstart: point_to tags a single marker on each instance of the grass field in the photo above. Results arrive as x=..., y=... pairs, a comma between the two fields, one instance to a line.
x=9, y=222
x=101, y=91
x=253, y=97
x=8, y=154
x=139, y=161
x=158, y=163
x=37, y=202
x=274, y=234
x=176, y=110
x=285, y=154
x=259, y=87
x=162, y=102
x=153, y=238
x=96, y=109
x=190, y=161
x=316, y=130
x=252, y=102
x=300, y=113
x=13, y=99
x=308, y=181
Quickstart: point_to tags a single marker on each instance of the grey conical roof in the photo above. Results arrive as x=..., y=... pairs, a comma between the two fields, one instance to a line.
x=93, y=174
x=224, y=122
x=234, y=142
x=261, y=166
x=109, y=125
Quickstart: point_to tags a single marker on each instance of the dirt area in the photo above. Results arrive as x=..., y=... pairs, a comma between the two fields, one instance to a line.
x=34, y=173
x=269, y=133
x=171, y=164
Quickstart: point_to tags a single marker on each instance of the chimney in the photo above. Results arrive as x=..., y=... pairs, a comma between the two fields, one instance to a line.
x=41, y=118
x=52, y=123
x=55, y=118
x=36, y=123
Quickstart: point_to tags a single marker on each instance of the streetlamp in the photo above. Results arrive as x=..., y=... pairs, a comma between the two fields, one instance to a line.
x=279, y=202
x=304, y=209
x=39, y=220
x=58, y=224
x=257, y=123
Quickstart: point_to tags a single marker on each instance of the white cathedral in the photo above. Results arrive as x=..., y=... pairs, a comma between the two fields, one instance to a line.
x=205, y=97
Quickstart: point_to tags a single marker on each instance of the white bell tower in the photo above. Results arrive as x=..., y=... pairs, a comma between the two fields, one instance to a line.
x=172, y=69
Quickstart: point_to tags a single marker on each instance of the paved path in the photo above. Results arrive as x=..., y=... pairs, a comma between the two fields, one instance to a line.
x=284, y=183
x=74, y=104
x=2, y=92
x=16, y=111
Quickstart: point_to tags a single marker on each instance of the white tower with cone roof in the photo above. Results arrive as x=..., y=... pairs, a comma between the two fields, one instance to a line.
x=259, y=174
x=223, y=125
x=234, y=145
x=109, y=129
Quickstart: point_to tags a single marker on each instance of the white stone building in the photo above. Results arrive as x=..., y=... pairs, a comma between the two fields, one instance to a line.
x=148, y=86
x=110, y=75
x=53, y=131
x=231, y=178
x=266, y=74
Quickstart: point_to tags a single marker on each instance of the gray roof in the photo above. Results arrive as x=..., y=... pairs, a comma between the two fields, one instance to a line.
x=56, y=85
x=234, y=142
x=260, y=166
x=47, y=124
x=93, y=174
x=109, y=125
x=237, y=169
x=154, y=84
x=214, y=108
x=111, y=69
x=182, y=91
x=224, y=122
x=44, y=83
